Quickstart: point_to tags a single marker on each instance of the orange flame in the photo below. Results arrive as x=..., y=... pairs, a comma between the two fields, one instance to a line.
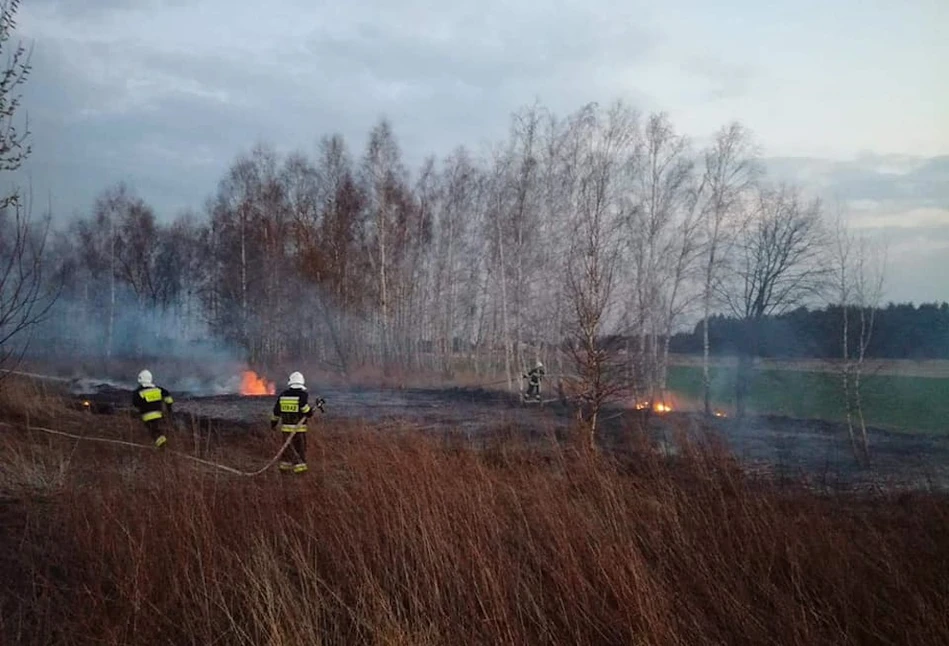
x=657, y=407
x=253, y=384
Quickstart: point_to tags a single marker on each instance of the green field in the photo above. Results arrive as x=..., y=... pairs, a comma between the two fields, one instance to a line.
x=901, y=403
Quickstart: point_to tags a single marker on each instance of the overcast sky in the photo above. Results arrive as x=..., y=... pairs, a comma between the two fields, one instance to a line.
x=847, y=97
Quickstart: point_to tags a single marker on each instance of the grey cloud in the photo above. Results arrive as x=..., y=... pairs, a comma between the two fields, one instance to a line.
x=924, y=183
x=917, y=264
x=726, y=80
x=456, y=92
x=882, y=192
x=91, y=10
x=480, y=58
x=77, y=158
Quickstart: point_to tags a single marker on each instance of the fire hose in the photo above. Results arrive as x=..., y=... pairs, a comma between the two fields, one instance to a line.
x=149, y=447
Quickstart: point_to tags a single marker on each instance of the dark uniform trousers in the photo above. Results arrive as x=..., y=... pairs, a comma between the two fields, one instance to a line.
x=292, y=409
x=151, y=402
x=533, y=382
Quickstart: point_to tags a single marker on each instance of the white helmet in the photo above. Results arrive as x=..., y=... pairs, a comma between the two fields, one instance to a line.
x=296, y=380
x=145, y=379
x=539, y=365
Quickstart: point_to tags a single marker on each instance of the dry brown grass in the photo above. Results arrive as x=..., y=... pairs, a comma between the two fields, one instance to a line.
x=399, y=538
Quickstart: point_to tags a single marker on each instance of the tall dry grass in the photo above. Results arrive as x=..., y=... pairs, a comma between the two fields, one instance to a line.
x=400, y=538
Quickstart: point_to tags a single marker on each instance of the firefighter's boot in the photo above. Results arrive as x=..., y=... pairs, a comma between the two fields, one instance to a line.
x=286, y=466
x=299, y=467
x=160, y=441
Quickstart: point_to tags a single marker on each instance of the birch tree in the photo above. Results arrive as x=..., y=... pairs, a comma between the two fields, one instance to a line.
x=499, y=192
x=522, y=221
x=859, y=272
x=98, y=239
x=601, y=145
x=384, y=178
x=457, y=213
x=655, y=226
x=730, y=171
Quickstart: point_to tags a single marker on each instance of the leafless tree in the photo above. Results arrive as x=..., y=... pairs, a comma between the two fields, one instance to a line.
x=859, y=271
x=778, y=261
x=457, y=218
x=14, y=146
x=730, y=171
x=497, y=256
x=335, y=256
x=181, y=269
x=25, y=294
x=661, y=229
x=250, y=221
x=384, y=179
x=499, y=197
x=523, y=220
x=601, y=144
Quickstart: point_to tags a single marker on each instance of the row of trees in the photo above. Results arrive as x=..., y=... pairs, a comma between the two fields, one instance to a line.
x=584, y=239
x=901, y=331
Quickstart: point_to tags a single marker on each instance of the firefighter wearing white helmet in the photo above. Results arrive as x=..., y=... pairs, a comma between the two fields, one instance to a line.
x=292, y=410
x=533, y=376
x=153, y=402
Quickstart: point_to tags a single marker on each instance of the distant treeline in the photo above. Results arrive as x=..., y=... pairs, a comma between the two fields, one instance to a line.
x=900, y=331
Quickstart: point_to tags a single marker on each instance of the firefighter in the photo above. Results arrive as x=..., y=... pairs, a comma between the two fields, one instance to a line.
x=152, y=403
x=533, y=376
x=292, y=410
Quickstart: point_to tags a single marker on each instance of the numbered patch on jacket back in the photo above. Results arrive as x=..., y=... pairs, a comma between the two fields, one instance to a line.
x=151, y=395
x=289, y=404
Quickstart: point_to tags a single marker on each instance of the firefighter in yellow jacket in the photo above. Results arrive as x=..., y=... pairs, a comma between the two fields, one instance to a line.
x=292, y=409
x=152, y=403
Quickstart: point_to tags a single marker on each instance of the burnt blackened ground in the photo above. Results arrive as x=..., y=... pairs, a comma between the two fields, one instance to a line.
x=821, y=451
x=815, y=449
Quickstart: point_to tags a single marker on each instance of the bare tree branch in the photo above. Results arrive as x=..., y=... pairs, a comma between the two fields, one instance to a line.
x=778, y=262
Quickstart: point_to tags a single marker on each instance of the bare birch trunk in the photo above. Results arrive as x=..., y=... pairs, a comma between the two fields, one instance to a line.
x=111, y=330
x=243, y=219
x=504, y=319
x=845, y=376
x=706, y=373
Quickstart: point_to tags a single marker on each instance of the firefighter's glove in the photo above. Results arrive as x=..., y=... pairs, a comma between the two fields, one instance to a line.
x=273, y=426
x=320, y=403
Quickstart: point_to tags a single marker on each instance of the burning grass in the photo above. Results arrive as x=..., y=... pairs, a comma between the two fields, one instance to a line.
x=399, y=538
x=254, y=384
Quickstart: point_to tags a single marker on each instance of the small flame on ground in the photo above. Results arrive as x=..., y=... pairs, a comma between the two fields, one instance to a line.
x=658, y=407
x=720, y=413
x=253, y=384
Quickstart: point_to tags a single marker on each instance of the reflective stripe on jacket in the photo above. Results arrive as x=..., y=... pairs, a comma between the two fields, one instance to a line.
x=292, y=409
x=151, y=401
